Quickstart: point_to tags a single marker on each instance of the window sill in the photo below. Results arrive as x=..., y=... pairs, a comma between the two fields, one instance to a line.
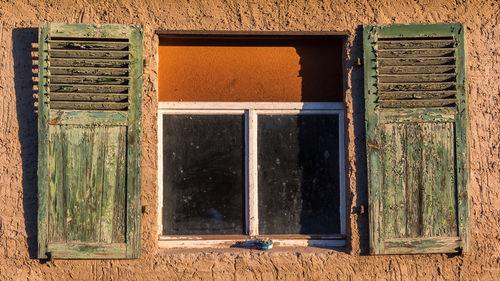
x=246, y=242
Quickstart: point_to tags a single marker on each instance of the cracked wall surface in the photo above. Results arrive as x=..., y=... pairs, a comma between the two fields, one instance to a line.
x=18, y=140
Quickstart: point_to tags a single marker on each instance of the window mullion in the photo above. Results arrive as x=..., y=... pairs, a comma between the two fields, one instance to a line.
x=253, y=222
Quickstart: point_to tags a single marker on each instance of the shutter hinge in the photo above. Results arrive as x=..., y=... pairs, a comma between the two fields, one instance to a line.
x=361, y=209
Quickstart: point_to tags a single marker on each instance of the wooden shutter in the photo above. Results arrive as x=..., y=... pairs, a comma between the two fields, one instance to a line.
x=416, y=131
x=89, y=161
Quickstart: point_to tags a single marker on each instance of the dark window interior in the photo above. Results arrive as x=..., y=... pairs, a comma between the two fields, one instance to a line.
x=298, y=174
x=203, y=174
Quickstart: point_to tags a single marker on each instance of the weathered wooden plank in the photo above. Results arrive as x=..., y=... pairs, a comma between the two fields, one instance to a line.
x=43, y=142
x=417, y=86
x=420, y=31
x=87, y=250
x=57, y=204
x=411, y=69
x=56, y=70
x=119, y=207
x=373, y=143
x=394, y=210
x=448, y=195
x=415, y=53
x=85, y=118
x=95, y=175
x=415, y=115
x=75, y=144
x=68, y=105
x=87, y=97
x=81, y=54
x=74, y=62
x=415, y=78
x=415, y=44
x=98, y=80
x=416, y=103
x=461, y=137
x=438, y=176
x=414, y=183
x=426, y=245
x=416, y=61
x=416, y=95
x=88, y=45
x=79, y=30
x=134, y=147
x=72, y=88
x=110, y=183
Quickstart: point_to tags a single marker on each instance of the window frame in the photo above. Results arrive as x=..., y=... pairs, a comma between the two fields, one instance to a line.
x=251, y=110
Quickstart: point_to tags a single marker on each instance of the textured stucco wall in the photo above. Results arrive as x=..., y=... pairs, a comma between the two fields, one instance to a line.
x=18, y=139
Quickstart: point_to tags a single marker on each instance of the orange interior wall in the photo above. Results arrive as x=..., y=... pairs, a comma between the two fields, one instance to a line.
x=236, y=72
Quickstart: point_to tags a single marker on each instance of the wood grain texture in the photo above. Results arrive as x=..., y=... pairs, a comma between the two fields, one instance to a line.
x=134, y=146
x=423, y=245
x=88, y=45
x=43, y=142
x=91, y=165
x=76, y=62
x=87, y=251
x=417, y=79
x=88, y=54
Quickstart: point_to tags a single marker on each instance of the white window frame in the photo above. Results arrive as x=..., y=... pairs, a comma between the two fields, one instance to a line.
x=251, y=110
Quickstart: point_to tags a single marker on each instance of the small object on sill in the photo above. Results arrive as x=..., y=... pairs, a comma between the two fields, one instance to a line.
x=265, y=244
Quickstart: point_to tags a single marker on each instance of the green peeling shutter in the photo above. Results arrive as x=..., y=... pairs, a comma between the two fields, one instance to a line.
x=89, y=161
x=416, y=133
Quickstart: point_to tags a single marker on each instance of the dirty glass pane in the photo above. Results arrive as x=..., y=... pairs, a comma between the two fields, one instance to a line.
x=203, y=174
x=298, y=174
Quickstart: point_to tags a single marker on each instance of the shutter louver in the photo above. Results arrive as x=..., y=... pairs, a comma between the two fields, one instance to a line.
x=87, y=73
x=89, y=150
x=416, y=72
x=416, y=131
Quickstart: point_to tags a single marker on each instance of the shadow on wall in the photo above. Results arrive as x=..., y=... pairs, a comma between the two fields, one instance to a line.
x=23, y=48
x=358, y=108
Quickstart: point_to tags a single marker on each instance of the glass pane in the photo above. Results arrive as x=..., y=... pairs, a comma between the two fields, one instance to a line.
x=203, y=174
x=298, y=174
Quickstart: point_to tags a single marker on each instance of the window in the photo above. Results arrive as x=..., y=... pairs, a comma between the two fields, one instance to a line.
x=417, y=147
x=251, y=140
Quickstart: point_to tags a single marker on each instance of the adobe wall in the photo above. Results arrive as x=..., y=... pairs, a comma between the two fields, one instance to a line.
x=18, y=141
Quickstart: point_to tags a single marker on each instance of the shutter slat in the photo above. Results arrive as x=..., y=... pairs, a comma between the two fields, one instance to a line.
x=415, y=44
x=416, y=103
x=75, y=62
x=416, y=95
x=403, y=78
x=87, y=97
x=88, y=71
x=86, y=45
x=410, y=53
x=106, y=80
x=56, y=53
x=433, y=69
x=416, y=61
x=88, y=88
x=89, y=105
x=416, y=86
